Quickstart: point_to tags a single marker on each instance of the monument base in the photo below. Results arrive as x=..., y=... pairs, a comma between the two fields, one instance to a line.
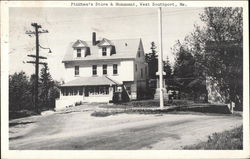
x=157, y=94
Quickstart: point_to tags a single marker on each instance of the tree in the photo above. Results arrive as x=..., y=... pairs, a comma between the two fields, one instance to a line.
x=183, y=68
x=223, y=52
x=46, y=84
x=19, y=92
x=54, y=92
x=168, y=70
x=32, y=87
x=152, y=60
x=217, y=50
x=188, y=76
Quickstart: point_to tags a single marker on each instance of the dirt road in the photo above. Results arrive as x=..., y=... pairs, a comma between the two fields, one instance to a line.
x=80, y=130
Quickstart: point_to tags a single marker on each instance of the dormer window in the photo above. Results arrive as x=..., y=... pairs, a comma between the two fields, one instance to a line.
x=81, y=49
x=104, y=51
x=78, y=52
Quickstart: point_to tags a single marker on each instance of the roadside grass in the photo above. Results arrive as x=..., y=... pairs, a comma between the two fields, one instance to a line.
x=148, y=103
x=227, y=140
x=104, y=113
x=151, y=106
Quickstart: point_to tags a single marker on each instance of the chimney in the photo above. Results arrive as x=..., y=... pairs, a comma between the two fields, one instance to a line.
x=93, y=38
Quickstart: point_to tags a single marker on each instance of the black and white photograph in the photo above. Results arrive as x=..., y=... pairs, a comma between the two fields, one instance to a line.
x=124, y=75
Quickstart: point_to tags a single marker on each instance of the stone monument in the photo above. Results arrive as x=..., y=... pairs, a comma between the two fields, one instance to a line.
x=157, y=91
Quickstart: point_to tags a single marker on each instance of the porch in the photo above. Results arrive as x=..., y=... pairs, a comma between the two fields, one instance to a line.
x=87, y=89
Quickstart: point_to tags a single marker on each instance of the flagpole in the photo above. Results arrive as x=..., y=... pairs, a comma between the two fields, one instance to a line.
x=160, y=63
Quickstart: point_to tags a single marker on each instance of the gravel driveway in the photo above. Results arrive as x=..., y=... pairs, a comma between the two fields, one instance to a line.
x=77, y=129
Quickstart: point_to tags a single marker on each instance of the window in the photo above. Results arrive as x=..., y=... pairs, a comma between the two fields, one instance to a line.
x=115, y=70
x=139, y=54
x=141, y=73
x=104, y=51
x=135, y=67
x=76, y=70
x=104, y=69
x=78, y=52
x=94, y=70
x=92, y=91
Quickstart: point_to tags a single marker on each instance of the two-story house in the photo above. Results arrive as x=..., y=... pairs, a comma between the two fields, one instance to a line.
x=97, y=69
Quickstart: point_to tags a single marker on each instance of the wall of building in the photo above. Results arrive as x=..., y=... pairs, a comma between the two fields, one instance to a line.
x=141, y=74
x=125, y=70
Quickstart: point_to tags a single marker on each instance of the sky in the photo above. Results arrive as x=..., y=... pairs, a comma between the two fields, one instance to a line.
x=66, y=25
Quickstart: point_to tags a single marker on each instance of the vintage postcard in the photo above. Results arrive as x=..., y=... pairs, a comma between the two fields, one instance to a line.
x=124, y=79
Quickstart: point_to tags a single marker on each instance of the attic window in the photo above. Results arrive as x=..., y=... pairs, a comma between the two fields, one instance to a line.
x=104, y=51
x=78, y=52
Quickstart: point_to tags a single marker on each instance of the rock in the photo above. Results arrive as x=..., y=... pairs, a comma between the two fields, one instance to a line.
x=48, y=112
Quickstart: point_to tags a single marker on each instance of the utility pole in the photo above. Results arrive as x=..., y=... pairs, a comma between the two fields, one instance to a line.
x=37, y=57
x=160, y=65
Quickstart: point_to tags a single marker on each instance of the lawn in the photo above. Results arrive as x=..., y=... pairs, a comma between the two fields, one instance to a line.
x=227, y=140
x=144, y=106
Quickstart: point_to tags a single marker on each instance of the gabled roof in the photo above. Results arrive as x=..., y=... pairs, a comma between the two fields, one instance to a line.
x=105, y=42
x=125, y=49
x=80, y=43
x=91, y=81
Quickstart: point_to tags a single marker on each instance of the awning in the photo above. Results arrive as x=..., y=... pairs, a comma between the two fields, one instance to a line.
x=91, y=81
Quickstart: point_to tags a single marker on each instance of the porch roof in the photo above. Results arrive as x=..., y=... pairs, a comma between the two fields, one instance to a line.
x=91, y=81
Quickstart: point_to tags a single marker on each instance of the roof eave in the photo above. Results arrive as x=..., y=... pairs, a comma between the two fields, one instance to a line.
x=79, y=60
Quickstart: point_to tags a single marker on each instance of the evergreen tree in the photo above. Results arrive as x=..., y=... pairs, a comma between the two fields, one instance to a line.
x=168, y=70
x=46, y=84
x=152, y=60
x=183, y=68
x=19, y=93
x=32, y=87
